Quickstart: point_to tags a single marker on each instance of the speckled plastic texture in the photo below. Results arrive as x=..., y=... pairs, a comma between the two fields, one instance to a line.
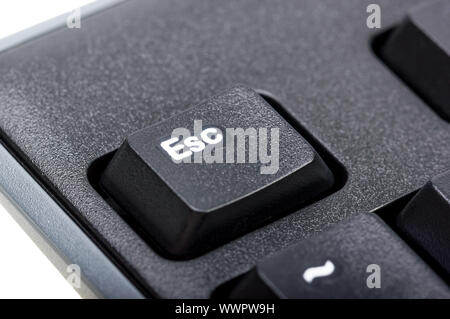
x=71, y=96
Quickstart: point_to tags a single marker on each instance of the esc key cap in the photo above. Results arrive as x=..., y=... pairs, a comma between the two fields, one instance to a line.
x=214, y=172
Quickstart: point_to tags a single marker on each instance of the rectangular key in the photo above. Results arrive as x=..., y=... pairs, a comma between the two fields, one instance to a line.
x=419, y=50
x=358, y=258
x=214, y=172
x=426, y=220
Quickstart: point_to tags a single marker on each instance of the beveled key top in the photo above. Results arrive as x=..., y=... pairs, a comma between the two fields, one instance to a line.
x=214, y=172
x=419, y=51
x=360, y=257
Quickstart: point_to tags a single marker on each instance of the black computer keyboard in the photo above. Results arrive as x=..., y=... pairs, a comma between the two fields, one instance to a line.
x=237, y=149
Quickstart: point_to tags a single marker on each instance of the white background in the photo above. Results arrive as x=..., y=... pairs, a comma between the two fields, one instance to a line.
x=25, y=272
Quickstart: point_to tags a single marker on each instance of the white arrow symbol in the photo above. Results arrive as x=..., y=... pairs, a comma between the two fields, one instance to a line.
x=321, y=271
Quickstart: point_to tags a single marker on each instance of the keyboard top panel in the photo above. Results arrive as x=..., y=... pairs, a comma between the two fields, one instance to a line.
x=71, y=96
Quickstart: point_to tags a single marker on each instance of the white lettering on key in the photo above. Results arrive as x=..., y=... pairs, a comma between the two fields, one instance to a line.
x=237, y=146
x=321, y=271
x=173, y=150
x=193, y=143
x=208, y=139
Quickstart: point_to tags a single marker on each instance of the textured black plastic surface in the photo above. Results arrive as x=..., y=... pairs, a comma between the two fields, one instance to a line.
x=359, y=250
x=222, y=191
x=426, y=220
x=72, y=96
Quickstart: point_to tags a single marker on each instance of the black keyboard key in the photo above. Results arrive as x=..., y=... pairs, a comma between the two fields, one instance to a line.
x=419, y=50
x=426, y=220
x=189, y=208
x=358, y=258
